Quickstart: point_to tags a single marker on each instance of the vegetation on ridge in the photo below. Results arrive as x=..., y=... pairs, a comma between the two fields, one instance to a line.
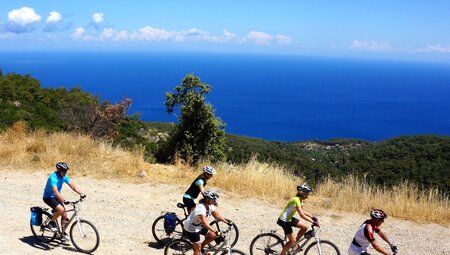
x=423, y=160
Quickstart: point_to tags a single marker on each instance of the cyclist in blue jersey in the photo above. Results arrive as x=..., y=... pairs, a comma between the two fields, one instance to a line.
x=197, y=186
x=52, y=194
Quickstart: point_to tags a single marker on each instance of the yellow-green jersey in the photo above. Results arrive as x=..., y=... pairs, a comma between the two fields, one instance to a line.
x=290, y=209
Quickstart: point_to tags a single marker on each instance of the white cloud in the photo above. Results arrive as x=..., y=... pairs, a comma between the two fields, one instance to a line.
x=371, y=45
x=97, y=18
x=435, y=49
x=23, y=16
x=21, y=20
x=259, y=38
x=53, y=17
x=152, y=34
x=79, y=34
x=283, y=39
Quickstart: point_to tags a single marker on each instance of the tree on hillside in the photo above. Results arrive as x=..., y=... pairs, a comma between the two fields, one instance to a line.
x=199, y=135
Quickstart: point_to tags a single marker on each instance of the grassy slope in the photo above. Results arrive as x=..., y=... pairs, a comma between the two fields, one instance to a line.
x=22, y=149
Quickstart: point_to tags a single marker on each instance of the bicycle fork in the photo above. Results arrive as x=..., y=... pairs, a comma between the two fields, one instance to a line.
x=318, y=246
x=80, y=226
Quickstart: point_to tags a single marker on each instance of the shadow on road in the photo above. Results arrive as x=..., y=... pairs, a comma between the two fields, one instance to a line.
x=33, y=242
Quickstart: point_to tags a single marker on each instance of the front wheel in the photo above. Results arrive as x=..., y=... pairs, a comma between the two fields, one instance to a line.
x=161, y=235
x=325, y=248
x=178, y=247
x=266, y=243
x=221, y=226
x=233, y=251
x=41, y=232
x=84, y=236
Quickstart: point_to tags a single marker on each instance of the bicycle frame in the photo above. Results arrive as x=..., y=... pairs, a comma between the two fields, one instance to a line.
x=225, y=243
x=309, y=235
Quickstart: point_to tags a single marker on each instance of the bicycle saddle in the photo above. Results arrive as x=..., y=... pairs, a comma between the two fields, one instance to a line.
x=181, y=205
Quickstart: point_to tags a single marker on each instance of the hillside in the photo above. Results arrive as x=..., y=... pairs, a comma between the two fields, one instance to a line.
x=124, y=211
x=423, y=159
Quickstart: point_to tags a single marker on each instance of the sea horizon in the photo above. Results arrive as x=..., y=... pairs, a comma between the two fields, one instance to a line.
x=273, y=97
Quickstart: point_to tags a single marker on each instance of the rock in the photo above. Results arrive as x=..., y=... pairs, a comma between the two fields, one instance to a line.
x=141, y=173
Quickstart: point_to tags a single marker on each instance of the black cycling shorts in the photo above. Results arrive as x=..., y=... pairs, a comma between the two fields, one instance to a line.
x=189, y=203
x=194, y=237
x=287, y=226
x=52, y=202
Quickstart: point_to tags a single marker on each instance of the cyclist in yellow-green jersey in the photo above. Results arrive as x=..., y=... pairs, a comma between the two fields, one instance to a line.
x=286, y=220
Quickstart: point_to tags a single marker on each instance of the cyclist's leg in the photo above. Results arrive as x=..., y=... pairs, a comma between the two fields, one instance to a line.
x=287, y=228
x=58, y=208
x=189, y=203
x=302, y=226
x=209, y=236
x=195, y=239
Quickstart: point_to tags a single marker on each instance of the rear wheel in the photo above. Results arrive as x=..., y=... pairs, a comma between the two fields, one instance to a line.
x=325, y=248
x=42, y=233
x=266, y=243
x=160, y=234
x=221, y=226
x=178, y=247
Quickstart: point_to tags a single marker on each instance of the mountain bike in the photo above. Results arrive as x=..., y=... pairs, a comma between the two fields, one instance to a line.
x=83, y=234
x=183, y=246
x=163, y=237
x=272, y=243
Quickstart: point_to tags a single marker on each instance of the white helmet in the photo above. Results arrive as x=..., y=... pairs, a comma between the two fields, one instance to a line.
x=211, y=195
x=209, y=170
x=304, y=188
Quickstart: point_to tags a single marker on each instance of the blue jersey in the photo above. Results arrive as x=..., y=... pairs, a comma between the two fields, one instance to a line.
x=54, y=180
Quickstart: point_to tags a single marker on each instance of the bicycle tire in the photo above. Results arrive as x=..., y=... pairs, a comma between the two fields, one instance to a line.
x=42, y=233
x=220, y=226
x=266, y=243
x=90, y=231
x=159, y=233
x=178, y=247
x=233, y=251
x=326, y=247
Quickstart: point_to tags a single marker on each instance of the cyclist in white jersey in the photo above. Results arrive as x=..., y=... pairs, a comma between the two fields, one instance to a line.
x=197, y=224
x=365, y=236
x=286, y=220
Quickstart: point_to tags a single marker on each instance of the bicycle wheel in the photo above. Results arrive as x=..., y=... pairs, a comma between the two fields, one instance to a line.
x=160, y=234
x=266, y=243
x=233, y=251
x=42, y=233
x=84, y=236
x=178, y=247
x=221, y=226
x=325, y=248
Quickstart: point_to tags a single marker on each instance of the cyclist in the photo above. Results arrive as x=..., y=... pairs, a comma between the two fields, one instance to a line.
x=197, y=186
x=365, y=235
x=197, y=224
x=287, y=221
x=53, y=198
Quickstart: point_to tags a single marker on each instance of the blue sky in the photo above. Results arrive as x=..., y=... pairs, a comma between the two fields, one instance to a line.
x=412, y=29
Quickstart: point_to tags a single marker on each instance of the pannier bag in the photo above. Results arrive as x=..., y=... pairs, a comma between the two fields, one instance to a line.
x=36, y=216
x=170, y=222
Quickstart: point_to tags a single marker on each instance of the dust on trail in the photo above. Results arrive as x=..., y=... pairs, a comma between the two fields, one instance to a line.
x=123, y=214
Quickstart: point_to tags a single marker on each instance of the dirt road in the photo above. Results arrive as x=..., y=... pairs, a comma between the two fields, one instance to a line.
x=123, y=214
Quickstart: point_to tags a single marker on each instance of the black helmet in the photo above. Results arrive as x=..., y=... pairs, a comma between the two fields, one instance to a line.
x=61, y=166
x=304, y=188
x=378, y=214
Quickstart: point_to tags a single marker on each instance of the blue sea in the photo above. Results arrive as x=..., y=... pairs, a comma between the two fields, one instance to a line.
x=287, y=98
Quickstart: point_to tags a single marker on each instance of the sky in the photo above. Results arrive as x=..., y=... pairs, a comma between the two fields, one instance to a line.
x=416, y=29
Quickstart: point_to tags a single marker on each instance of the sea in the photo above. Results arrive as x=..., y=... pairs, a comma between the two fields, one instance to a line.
x=274, y=97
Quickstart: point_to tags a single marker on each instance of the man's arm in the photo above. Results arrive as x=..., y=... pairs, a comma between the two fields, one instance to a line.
x=378, y=248
x=57, y=194
x=205, y=223
x=75, y=188
x=304, y=214
x=218, y=216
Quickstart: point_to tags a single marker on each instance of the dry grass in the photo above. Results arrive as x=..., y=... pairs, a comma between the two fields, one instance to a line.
x=23, y=149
